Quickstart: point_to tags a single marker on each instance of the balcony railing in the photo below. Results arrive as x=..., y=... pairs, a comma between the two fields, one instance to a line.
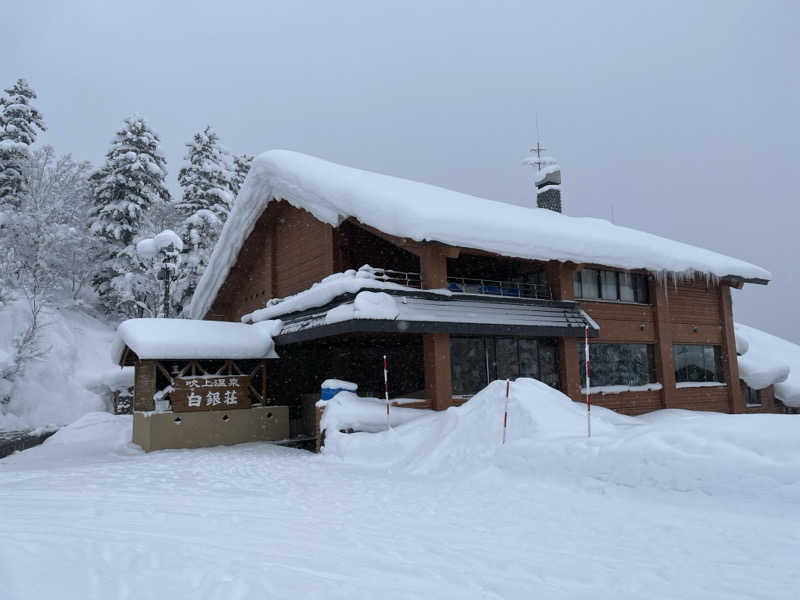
x=467, y=285
x=493, y=287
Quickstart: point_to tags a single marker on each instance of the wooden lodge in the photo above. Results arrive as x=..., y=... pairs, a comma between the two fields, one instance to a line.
x=462, y=314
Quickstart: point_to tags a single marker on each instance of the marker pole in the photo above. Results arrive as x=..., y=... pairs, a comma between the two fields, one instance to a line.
x=386, y=390
x=505, y=412
x=588, y=387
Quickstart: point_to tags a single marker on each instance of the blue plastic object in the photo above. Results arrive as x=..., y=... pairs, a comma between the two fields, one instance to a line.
x=328, y=393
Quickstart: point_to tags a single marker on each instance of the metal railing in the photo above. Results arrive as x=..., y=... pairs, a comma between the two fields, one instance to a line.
x=494, y=287
x=467, y=285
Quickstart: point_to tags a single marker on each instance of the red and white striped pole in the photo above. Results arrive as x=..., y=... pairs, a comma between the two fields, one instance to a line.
x=386, y=390
x=505, y=412
x=588, y=387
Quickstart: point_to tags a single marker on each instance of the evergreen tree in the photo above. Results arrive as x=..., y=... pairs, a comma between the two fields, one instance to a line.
x=125, y=188
x=18, y=124
x=208, y=181
x=241, y=164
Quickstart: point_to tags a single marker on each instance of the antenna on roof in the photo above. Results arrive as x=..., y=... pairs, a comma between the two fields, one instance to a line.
x=538, y=148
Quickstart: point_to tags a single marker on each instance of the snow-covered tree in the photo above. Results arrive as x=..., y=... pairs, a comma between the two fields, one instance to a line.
x=44, y=246
x=126, y=188
x=200, y=232
x=241, y=164
x=19, y=122
x=208, y=180
x=163, y=252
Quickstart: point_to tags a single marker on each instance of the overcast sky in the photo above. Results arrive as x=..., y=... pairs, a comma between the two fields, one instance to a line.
x=683, y=117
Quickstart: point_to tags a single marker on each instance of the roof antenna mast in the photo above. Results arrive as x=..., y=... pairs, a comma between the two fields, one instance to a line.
x=538, y=148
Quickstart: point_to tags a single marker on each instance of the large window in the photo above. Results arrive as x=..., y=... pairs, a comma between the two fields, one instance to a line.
x=697, y=364
x=475, y=361
x=619, y=286
x=618, y=364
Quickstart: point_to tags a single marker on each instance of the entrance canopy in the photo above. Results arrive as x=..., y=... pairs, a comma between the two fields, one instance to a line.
x=420, y=312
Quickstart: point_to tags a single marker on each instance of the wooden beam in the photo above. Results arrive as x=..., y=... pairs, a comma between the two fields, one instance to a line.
x=729, y=359
x=665, y=363
x=436, y=361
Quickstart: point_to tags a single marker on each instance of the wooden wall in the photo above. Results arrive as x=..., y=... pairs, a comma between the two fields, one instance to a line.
x=687, y=312
x=287, y=251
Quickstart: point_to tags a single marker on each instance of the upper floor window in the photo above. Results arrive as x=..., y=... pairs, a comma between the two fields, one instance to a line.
x=620, y=286
x=698, y=364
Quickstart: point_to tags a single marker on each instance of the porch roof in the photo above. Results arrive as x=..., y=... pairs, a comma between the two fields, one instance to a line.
x=421, y=312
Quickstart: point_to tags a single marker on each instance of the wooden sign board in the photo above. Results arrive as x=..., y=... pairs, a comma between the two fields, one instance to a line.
x=210, y=392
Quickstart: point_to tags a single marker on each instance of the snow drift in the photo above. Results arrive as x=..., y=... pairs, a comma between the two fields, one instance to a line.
x=677, y=450
x=333, y=193
x=73, y=377
x=766, y=360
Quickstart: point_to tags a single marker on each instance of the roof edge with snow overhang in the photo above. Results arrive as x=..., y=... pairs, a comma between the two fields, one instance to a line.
x=423, y=212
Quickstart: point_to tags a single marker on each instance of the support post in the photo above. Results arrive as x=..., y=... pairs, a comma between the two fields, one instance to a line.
x=144, y=385
x=436, y=357
x=665, y=363
x=730, y=361
x=559, y=279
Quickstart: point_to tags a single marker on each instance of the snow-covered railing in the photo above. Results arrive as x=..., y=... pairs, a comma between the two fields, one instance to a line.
x=467, y=285
x=406, y=278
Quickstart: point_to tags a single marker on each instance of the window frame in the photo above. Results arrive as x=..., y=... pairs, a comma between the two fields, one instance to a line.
x=718, y=363
x=636, y=279
x=650, y=356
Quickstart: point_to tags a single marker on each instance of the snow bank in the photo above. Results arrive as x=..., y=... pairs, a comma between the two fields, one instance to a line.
x=676, y=450
x=460, y=435
x=346, y=411
x=185, y=338
x=330, y=287
x=333, y=193
x=769, y=360
x=70, y=378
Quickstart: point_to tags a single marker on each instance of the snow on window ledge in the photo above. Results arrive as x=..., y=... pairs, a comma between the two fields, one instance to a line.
x=620, y=389
x=696, y=384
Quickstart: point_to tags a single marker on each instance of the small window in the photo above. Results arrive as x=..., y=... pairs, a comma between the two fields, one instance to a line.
x=608, y=285
x=751, y=396
x=641, y=289
x=590, y=283
x=626, y=292
x=697, y=364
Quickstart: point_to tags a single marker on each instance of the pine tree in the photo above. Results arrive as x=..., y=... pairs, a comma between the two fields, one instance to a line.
x=241, y=164
x=125, y=188
x=208, y=180
x=18, y=124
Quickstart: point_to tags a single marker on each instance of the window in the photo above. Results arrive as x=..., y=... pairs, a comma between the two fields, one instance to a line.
x=618, y=364
x=475, y=361
x=751, y=397
x=620, y=286
x=697, y=364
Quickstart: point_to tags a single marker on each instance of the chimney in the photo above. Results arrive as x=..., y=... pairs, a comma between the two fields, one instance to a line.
x=548, y=187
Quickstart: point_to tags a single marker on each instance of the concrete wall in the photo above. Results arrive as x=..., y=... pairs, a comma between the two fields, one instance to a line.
x=159, y=431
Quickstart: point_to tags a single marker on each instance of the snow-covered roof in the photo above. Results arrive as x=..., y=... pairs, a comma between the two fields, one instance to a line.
x=404, y=208
x=766, y=360
x=185, y=338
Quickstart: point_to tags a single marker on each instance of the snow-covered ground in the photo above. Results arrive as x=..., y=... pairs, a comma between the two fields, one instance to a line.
x=72, y=377
x=671, y=505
